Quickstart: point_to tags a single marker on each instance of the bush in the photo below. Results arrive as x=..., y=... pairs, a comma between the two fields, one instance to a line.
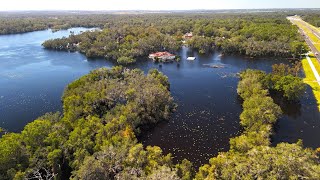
x=125, y=60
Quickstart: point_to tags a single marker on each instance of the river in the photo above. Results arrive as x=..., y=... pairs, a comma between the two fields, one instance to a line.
x=32, y=81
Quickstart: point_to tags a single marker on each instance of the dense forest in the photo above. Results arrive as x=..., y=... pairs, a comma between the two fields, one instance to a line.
x=28, y=21
x=95, y=136
x=312, y=18
x=21, y=23
x=129, y=36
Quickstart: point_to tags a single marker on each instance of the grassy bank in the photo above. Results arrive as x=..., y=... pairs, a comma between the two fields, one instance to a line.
x=310, y=78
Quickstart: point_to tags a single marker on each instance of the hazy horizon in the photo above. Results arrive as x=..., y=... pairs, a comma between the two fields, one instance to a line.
x=152, y=5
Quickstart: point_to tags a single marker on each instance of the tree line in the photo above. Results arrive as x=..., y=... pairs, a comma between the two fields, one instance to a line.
x=124, y=45
x=249, y=34
x=22, y=23
x=312, y=17
x=134, y=36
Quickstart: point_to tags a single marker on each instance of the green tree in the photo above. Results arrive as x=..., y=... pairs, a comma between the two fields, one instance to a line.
x=286, y=161
x=126, y=60
x=292, y=87
x=259, y=109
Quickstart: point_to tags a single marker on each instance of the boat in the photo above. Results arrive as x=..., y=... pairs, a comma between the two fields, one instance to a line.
x=191, y=58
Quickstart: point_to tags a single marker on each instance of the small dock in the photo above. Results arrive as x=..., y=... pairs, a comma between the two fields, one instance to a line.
x=191, y=58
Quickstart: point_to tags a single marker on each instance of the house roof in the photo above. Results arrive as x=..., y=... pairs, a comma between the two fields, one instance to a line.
x=159, y=54
x=188, y=34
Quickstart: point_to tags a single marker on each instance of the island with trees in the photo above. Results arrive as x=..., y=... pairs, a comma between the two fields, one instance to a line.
x=95, y=136
x=250, y=155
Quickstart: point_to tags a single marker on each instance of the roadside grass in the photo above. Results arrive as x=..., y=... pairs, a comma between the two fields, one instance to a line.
x=312, y=37
x=310, y=78
x=315, y=62
x=315, y=28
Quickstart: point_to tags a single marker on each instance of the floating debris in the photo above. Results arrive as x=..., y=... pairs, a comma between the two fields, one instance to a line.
x=226, y=75
x=214, y=65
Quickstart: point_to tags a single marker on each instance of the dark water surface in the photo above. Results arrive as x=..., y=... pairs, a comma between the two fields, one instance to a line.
x=32, y=81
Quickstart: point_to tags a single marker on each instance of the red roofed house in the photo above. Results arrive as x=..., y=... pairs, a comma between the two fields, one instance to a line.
x=162, y=56
x=188, y=35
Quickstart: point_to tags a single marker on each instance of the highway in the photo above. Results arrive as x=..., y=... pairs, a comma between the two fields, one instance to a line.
x=314, y=50
x=311, y=45
x=315, y=32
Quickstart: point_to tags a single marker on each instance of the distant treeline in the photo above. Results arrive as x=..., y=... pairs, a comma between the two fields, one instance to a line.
x=13, y=24
x=313, y=19
x=133, y=36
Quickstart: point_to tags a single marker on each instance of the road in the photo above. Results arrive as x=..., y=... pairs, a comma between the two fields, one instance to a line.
x=311, y=45
x=309, y=42
x=314, y=50
x=314, y=70
x=315, y=32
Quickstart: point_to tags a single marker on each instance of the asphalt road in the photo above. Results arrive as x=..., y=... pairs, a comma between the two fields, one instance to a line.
x=311, y=45
x=316, y=33
x=309, y=42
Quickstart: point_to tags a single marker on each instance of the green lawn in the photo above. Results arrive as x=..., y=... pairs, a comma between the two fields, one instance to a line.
x=310, y=78
x=315, y=63
x=315, y=28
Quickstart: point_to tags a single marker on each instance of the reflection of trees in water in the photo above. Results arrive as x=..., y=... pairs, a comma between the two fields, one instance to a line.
x=300, y=120
x=289, y=108
x=75, y=59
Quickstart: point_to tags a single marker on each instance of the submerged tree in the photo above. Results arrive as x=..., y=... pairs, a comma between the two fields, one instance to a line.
x=96, y=135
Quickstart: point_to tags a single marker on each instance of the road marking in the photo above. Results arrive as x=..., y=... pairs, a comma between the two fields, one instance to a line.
x=315, y=72
x=316, y=35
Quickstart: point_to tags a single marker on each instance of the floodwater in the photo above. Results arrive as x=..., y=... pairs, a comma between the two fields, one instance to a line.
x=32, y=81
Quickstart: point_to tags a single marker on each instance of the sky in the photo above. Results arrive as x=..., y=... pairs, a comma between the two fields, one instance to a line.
x=9, y=5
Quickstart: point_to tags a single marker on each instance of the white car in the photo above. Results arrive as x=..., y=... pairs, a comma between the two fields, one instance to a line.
x=316, y=54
